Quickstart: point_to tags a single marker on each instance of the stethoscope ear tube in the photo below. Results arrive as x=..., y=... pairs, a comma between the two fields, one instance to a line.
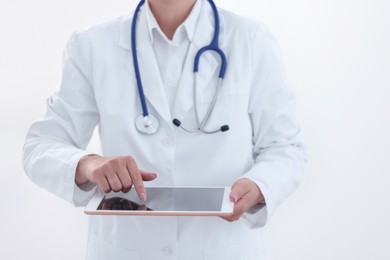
x=213, y=46
x=221, y=55
x=147, y=123
x=176, y=122
x=224, y=128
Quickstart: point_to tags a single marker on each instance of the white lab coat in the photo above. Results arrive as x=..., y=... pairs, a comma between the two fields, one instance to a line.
x=98, y=87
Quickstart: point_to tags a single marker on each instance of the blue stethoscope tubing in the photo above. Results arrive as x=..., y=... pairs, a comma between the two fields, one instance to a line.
x=147, y=123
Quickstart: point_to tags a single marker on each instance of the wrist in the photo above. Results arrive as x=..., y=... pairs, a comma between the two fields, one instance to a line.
x=81, y=169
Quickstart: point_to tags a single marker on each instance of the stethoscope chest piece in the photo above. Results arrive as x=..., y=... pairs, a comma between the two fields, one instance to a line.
x=147, y=125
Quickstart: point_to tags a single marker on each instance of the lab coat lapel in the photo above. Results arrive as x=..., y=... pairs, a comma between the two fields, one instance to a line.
x=149, y=71
x=184, y=99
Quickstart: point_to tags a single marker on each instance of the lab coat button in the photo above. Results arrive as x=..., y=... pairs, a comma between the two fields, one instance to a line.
x=167, y=142
x=169, y=250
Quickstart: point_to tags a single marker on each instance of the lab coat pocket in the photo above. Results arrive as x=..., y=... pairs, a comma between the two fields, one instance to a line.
x=232, y=100
x=228, y=90
x=99, y=249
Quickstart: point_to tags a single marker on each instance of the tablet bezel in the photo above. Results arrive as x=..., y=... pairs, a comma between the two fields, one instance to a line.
x=226, y=208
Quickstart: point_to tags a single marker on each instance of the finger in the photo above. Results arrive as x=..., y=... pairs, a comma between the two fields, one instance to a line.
x=114, y=181
x=126, y=190
x=124, y=178
x=136, y=178
x=232, y=218
x=148, y=176
x=239, y=189
x=239, y=209
x=241, y=206
x=103, y=184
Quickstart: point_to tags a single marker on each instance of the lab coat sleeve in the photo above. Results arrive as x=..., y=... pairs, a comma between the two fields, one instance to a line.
x=55, y=144
x=279, y=152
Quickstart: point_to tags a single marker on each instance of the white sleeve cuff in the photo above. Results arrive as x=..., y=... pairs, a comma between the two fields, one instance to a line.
x=83, y=193
x=258, y=215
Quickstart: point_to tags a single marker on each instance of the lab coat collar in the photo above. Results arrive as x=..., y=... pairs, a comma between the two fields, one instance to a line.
x=150, y=74
x=201, y=38
x=189, y=25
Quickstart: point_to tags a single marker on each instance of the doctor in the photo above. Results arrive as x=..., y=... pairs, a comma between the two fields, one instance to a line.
x=106, y=71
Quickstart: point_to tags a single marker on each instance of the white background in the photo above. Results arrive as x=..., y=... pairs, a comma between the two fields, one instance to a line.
x=337, y=54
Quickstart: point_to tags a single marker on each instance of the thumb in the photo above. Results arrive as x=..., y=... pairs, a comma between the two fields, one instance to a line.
x=239, y=189
x=148, y=176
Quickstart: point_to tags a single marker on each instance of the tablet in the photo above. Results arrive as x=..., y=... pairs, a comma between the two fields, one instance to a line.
x=164, y=201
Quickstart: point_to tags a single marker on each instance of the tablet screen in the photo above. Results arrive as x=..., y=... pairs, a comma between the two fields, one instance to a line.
x=166, y=199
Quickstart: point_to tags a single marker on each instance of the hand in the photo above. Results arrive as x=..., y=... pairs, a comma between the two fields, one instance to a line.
x=113, y=174
x=245, y=194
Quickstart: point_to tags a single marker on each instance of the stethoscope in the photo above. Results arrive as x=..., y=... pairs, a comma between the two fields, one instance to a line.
x=147, y=123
